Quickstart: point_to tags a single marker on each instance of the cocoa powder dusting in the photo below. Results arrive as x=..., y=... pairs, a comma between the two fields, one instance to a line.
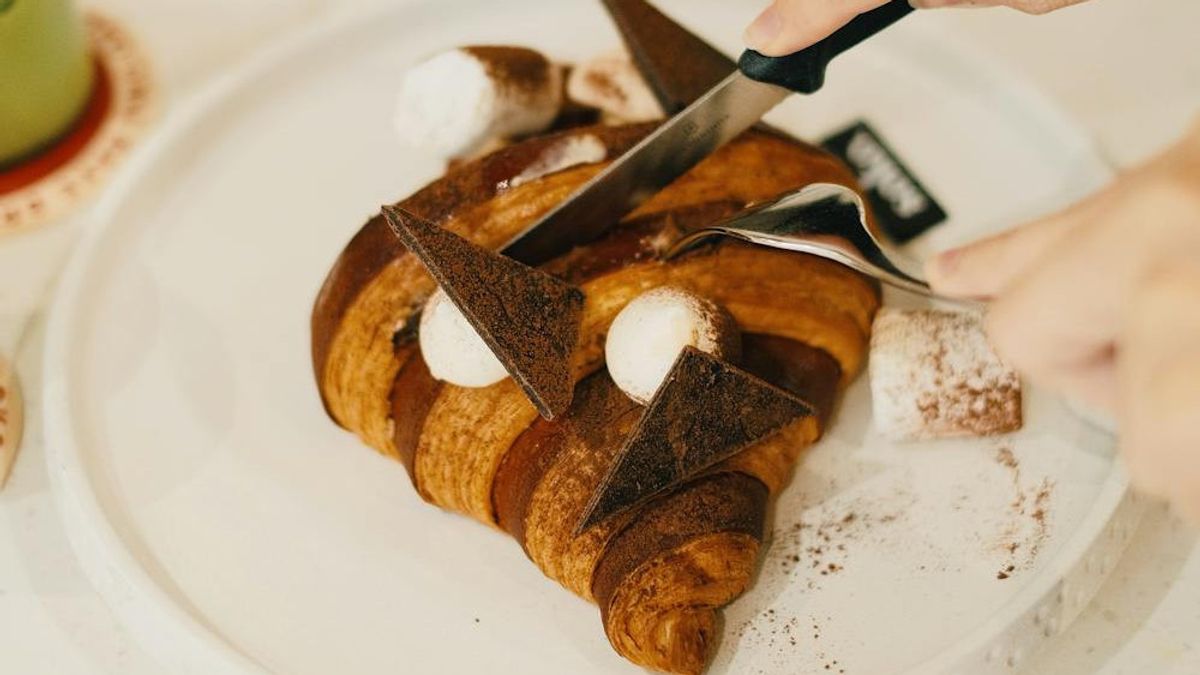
x=529, y=319
x=812, y=551
x=935, y=376
x=1025, y=526
x=980, y=401
x=705, y=411
x=770, y=629
x=516, y=67
x=605, y=85
x=822, y=549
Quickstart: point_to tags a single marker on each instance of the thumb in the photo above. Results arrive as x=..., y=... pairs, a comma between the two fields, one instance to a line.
x=788, y=26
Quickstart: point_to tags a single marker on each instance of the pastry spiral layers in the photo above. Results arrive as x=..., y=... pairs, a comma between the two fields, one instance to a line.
x=659, y=572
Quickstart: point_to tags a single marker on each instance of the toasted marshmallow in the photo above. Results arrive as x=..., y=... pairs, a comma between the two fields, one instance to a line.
x=459, y=100
x=452, y=349
x=651, y=331
x=934, y=375
x=613, y=84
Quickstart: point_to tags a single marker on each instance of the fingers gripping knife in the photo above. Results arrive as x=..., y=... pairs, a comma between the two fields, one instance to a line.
x=732, y=106
x=823, y=220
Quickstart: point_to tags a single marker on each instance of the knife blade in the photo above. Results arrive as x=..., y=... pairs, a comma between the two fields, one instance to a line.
x=734, y=105
x=728, y=109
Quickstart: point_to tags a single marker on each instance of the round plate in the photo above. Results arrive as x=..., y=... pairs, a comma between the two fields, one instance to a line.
x=235, y=528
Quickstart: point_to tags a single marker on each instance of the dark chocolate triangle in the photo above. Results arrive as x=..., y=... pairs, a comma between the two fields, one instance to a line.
x=528, y=318
x=706, y=411
x=677, y=64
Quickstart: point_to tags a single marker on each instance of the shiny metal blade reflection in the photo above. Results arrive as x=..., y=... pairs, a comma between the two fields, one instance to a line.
x=733, y=106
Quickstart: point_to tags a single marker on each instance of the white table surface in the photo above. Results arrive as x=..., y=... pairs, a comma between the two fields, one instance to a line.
x=1128, y=70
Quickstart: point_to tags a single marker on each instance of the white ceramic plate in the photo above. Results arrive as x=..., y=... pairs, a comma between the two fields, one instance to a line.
x=234, y=528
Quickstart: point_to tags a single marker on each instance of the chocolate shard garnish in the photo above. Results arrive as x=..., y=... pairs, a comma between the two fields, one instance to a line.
x=528, y=318
x=677, y=64
x=706, y=411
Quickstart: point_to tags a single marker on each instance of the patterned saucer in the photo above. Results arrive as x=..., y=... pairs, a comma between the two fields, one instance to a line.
x=56, y=181
x=11, y=416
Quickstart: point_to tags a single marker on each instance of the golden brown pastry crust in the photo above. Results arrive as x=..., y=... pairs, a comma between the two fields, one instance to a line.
x=661, y=571
x=375, y=287
x=822, y=304
x=664, y=576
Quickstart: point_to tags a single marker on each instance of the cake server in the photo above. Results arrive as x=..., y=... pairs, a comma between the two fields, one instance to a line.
x=825, y=220
x=728, y=109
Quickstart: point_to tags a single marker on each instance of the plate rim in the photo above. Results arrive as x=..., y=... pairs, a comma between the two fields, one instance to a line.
x=177, y=637
x=172, y=635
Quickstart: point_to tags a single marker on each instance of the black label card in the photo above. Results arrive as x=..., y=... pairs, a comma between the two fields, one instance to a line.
x=903, y=206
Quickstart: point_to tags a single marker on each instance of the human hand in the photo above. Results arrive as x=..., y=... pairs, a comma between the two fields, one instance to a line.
x=791, y=25
x=1102, y=303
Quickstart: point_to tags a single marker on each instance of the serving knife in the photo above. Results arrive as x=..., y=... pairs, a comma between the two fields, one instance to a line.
x=737, y=103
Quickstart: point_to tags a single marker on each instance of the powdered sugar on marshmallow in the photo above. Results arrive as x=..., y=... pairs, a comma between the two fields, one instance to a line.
x=650, y=332
x=452, y=349
x=613, y=84
x=934, y=375
x=566, y=153
x=460, y=99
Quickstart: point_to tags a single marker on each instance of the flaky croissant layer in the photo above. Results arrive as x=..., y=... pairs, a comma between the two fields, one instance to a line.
x=659, y=572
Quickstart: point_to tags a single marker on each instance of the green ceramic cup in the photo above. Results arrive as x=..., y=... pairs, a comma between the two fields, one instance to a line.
x=46, y=74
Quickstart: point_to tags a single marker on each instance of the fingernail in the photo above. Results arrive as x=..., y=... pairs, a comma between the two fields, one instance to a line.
x=764, y=30
x=946, y=263
x=937, y=4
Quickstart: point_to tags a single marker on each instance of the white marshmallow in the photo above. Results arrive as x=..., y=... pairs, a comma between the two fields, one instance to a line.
x=457, y=101
x=934, y=375
x=652, y=330
x=613, y=84
x=452, y=349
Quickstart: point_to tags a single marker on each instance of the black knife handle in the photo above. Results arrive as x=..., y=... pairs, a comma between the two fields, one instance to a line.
x=804, y=71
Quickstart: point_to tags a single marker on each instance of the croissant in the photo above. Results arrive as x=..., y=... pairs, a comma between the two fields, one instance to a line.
x=659, y=572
